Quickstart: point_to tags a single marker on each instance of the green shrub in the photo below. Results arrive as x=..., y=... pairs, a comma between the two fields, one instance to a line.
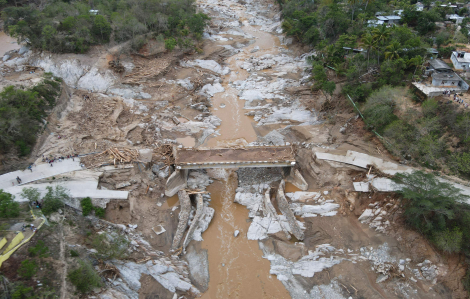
x=40, y=250
x=100, y=212
x=86, y=205
x=22, y=112
x=170, y=44
x=27, y=269
x=448, y=240
x=20, y=291
x=73, y=253
x=54, y=199
x=85, y=277
x=111, y=246
x=8, y=207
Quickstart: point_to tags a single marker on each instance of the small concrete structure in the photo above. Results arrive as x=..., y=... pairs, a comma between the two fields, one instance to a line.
x=391, y=20
x=450, y=81
x=419, y=6
x=460, y=60
x=458, y=19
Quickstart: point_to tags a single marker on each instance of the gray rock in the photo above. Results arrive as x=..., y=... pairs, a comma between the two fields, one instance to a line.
x=23, y=50
x=6, y=57
x=123, y=185
x=255, y=49
x=55, y=217
x=236, y=233
x=381, y=278
x=198, y=263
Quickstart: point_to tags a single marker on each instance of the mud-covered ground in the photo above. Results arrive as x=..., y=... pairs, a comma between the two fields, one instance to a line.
x=250, y=86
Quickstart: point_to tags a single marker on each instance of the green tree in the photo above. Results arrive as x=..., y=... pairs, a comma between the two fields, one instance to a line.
x=429, y=202
x=101, y=29
x=393, y=50
x=8, y=207
x=31, y=194
x=54, y=199
x=369, y=44
x=380, y=35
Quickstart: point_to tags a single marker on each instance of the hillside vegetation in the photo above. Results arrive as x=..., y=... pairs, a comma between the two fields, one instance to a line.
x=23, y=112
x=74, y=26
x=431, y=133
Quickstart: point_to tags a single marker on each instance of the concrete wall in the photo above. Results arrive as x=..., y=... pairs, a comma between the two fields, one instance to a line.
x=458, y=65
x=447, y=82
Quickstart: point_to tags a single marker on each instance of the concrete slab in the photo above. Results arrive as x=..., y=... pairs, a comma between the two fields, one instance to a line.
x=363, y=160
x=42, y=171
x=361, y=186
x=77, y=189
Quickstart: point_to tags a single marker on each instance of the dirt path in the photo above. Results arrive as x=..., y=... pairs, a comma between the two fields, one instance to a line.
x=63, y=274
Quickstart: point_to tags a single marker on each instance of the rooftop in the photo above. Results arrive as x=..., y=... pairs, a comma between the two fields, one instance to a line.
x=439, y=65
x=446, y=76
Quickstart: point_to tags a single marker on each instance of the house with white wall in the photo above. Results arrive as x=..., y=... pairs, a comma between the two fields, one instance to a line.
x=461, y=60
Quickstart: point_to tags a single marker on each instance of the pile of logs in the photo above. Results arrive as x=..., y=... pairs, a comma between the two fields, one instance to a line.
x=121, y=155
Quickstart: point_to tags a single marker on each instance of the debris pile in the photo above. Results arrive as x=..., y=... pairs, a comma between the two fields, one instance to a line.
x=114, y=155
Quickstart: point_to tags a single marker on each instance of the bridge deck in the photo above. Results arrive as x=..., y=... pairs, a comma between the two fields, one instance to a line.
x=269, y=156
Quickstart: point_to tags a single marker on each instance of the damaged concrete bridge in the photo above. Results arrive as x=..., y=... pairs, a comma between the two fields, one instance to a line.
x=251, y=156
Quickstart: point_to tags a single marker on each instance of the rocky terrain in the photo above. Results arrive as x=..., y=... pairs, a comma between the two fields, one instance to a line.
x=250, y=234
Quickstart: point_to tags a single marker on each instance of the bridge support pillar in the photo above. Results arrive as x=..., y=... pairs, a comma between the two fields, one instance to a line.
x=293, y=176
x=176, y=182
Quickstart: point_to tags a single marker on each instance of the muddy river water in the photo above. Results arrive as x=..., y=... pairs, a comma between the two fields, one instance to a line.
x=236, y=265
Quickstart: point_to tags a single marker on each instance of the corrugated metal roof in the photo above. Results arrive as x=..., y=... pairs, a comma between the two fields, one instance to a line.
x=438, y=64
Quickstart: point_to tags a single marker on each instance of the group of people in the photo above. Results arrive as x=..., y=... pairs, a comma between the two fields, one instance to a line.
x=456, y=98
x=33, y=228
x=58, y=159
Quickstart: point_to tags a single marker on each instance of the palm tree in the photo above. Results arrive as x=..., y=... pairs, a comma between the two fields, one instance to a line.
x=369, y=44
x=392, y=50
x=381, y=35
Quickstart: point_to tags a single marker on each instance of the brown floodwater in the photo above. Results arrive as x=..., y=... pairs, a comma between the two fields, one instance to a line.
x=235, y=124
x=236, y=266
x=291, y=188
x=187, y=141
x=7, y=43
x=171, y=202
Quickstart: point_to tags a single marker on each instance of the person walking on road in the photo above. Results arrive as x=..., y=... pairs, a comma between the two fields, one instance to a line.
x=18, y=180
